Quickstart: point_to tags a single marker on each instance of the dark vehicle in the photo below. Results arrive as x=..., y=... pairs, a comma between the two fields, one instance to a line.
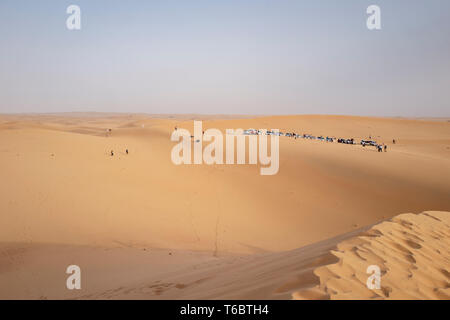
x=346, y=141
x=368, y=143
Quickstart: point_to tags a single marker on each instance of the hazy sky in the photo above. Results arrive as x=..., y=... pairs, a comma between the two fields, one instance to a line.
x=226, y=56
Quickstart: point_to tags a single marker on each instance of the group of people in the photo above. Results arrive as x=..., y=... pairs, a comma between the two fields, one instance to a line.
x=346, y=141
x=379, y=147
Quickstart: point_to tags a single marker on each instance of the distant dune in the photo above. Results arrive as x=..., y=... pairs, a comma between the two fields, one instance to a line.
x=65, y=199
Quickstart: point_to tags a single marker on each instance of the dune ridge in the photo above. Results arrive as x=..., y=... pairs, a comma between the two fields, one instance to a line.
x=412, y=251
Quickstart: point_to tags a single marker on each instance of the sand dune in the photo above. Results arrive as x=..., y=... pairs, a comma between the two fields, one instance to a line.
x=412, y=251
x=61, y=188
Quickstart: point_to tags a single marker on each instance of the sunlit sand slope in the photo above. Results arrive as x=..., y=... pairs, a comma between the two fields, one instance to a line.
x=59, y=183
x=412, y=251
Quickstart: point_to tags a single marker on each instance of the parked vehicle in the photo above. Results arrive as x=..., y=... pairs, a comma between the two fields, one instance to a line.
x=368, y=143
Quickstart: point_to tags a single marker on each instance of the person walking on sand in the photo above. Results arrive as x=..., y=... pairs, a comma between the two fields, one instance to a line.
x=385, y=148
x=126, y=151
x=112, y=153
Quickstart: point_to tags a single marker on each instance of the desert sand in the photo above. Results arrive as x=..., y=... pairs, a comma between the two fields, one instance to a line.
x=412, y=251
x=141, y=227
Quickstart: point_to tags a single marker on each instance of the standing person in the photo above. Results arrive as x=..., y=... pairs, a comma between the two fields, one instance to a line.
x=385, y=148
x=126, y=151
x=393, y=141
x=112, y=153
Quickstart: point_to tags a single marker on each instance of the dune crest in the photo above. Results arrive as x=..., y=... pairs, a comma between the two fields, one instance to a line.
x=411, y=250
